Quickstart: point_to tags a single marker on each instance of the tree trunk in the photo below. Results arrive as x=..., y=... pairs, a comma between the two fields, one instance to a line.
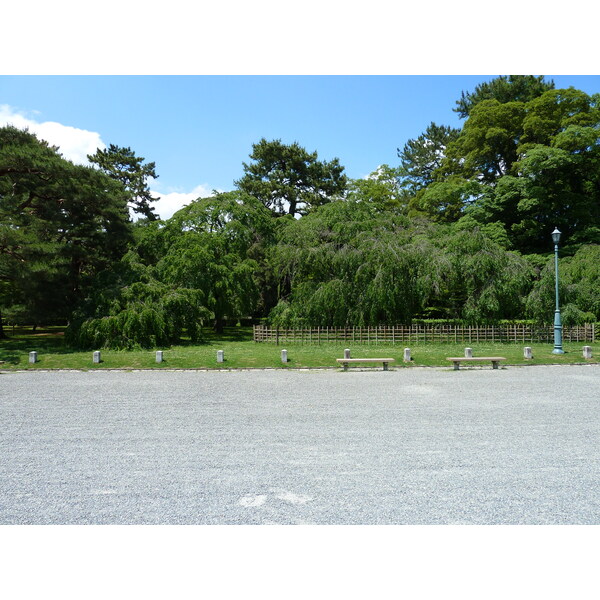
x=219, y=325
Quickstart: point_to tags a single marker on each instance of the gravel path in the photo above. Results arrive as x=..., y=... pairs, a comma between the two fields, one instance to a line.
x=409, y=446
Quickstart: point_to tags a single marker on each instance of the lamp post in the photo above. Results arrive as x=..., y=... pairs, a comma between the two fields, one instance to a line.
x=557, y=322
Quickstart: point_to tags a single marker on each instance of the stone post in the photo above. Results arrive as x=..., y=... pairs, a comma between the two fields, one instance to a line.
x=468, y=352
x=33, y=357
x=407, y=355
x=587, y=352
x=527, y=353
x=220, y=356
x=159, y=356
x=97, y=357
x=347, y=353
x=284, y=356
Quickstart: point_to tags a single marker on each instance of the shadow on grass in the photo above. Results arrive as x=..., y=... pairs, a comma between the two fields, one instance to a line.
x=51, y=341
x=23, y=341
x=230, y=334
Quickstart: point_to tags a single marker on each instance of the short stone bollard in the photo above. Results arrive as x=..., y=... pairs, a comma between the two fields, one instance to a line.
x=220, y=356
x=97, y=357
x=587, y=352
x=159, y=356
x=33, y=357
x=407, y=357
x=468, y=352
x=284, y=356
x=347, y=353
x=527, y=352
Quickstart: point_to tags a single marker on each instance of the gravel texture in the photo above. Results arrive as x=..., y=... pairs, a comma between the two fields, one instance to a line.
x=408, y=446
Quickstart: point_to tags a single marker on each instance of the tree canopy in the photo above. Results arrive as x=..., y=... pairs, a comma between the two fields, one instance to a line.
x=289, y=180
x=458, y=230
x=511, y=88
x=124, y=166
x=60, y=224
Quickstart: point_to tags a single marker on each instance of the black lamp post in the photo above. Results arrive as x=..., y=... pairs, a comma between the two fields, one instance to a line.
x=557, y=322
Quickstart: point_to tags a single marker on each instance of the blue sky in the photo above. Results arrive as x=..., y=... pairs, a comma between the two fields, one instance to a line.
x=199, y=129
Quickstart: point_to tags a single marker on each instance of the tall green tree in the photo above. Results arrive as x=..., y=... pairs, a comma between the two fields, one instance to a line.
x=421, y=157
x=525, y=167
x=511, y=88
x=289, y=180
x=132, y=172
x=217, y=246
x=60, y=224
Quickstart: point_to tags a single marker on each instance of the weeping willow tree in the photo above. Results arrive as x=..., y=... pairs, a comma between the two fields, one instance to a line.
x=579, y=289
x=480, y=282
x=146, y=316
x=349, y=263
x=216, y=248
x=129, y=308
x=201, y=266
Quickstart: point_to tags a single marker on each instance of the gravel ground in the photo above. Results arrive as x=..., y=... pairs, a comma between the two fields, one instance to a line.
x=408, y=446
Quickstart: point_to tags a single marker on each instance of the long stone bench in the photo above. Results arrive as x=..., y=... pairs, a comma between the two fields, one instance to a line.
x=385, y=361
x=495, y=360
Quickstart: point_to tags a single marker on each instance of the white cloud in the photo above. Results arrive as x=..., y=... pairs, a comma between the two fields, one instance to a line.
x=169, y=204
x=74, y=144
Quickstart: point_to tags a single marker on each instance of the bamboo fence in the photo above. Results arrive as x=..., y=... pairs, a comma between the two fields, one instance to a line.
x=402, y=334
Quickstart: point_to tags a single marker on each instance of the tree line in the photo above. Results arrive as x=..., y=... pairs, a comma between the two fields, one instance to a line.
x=458, y=230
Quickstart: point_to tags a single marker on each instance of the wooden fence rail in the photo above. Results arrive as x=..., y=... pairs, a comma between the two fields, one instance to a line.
x=402, y=334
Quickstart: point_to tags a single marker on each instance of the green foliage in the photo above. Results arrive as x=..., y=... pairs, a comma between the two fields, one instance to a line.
x=488, y=145
x=124, y=166
x=217, y=246
x=512, y=88
x=60, y=224
x=288, y=179
x=482, y=282
x=349, y=263
x=444, y=201
x=530, y=165
x=131, y=309
x=422, y=157
x=579, y=289
x=382, y=187
x=459, y=232
x=204, y=263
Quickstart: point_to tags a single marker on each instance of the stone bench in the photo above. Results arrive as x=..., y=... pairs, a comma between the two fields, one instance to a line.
x=495, y=360
x=385, y=361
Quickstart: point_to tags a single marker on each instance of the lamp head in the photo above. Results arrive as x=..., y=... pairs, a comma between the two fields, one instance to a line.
x=556, y=236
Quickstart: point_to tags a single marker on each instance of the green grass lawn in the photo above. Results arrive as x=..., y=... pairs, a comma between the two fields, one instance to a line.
x=241, y=352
